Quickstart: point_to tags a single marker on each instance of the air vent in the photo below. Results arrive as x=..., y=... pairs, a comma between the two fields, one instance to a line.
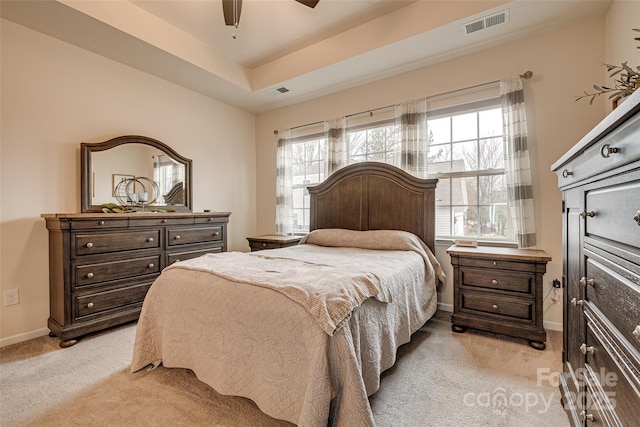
x=278, y=91
x=486, y=22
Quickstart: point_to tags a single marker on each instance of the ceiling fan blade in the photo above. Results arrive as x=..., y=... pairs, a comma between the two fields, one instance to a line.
x=231, y=10
x=310, y=3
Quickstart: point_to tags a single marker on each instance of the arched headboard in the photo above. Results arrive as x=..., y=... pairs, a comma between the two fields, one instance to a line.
x=375, y=196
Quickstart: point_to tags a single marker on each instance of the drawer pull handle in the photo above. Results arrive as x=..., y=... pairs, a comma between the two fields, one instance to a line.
x=566, y=173
x=164, y=221
x=151, y=265
x=607, y=150
x=636, y=332
x=586, y=416
x=585, y=282
x=150, y=239
x=495, y=263
x=585, y=213
x=495, y=306
x=176, y=261
x=637, y=217
x=587, y=349
x=101, y=223
x=210, y=219
x=217, y=233
x=89, y=275
x=264, y=245
x=494, y=282
x=90, y=305
x=177, y=237
x=89, y=245
x=576, y=302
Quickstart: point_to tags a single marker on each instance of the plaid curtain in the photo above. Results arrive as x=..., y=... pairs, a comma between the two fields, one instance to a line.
x=337, y=155
x=413, y=137
x=518, y=170
x=284, y=185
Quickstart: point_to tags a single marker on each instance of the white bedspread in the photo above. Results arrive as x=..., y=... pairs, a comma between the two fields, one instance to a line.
x=250, y=341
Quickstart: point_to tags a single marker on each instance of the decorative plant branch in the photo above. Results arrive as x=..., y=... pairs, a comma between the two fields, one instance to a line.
x=626, y=80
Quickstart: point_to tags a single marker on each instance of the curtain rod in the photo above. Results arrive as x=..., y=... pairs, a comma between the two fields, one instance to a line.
x=526, y=75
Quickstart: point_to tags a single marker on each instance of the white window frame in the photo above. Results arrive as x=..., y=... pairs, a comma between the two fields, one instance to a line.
x=387, y=155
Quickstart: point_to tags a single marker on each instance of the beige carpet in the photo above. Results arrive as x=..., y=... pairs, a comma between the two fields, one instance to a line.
x=441, y=379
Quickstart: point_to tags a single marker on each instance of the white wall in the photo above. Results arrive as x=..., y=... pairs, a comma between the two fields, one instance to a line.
x=623, y=16
x=563, y=62
x=55, y=96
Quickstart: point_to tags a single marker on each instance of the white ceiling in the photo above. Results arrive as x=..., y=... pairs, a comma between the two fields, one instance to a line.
x=311, y=52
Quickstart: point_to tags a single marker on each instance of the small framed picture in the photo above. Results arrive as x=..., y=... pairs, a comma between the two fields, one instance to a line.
x=117, y=179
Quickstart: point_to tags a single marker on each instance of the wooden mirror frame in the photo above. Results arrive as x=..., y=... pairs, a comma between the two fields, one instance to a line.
x=86, y=172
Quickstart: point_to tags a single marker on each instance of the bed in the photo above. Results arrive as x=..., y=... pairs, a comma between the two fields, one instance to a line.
x=306, y=331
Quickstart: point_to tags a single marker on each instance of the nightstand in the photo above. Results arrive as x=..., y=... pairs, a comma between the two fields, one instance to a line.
x=499, y=290
x=272, y=241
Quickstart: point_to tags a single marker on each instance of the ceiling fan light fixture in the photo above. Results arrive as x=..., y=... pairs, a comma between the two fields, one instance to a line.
x=231, y=10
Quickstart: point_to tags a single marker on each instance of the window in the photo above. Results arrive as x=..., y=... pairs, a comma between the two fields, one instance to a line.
x=308, y=168
x=466, y=154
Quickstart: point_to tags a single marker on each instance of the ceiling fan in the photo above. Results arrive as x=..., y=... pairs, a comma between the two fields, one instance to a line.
x=232, y=8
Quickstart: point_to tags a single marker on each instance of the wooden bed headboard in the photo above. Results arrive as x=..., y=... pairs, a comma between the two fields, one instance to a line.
x=375, y=196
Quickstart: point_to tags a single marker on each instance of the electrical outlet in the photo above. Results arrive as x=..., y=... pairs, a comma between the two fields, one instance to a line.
x=11, y=297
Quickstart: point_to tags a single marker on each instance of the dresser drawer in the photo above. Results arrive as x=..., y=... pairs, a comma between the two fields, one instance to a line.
x=97, y=243
x=613, y=209
x=93, y=223
x=616, y=297
x=490, y=279
x=498, y=305
x=111, y=299
x=596, y=159
x=90, y=274
x=610, y=371
x=210, y=220
x=147, y=222
x=597, y=403
x=183, y=236
x=183, y=256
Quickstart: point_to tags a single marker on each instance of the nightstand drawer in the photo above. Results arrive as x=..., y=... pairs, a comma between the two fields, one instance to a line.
x=513, y=282
x=272, y=241
x=498, y=264
x=258, y=246
x=497, y=305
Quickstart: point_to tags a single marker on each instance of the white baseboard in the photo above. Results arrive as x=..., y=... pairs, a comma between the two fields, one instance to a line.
x=14, y=339
x=552, y=326
x=445, y=307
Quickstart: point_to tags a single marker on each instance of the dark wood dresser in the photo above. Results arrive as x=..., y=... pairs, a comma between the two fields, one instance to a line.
x=101, y=265
x=272, y=241
x=499, y=290
x=600, y=182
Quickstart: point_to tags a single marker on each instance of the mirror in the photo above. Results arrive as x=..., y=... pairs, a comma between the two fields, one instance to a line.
x=138, y=172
